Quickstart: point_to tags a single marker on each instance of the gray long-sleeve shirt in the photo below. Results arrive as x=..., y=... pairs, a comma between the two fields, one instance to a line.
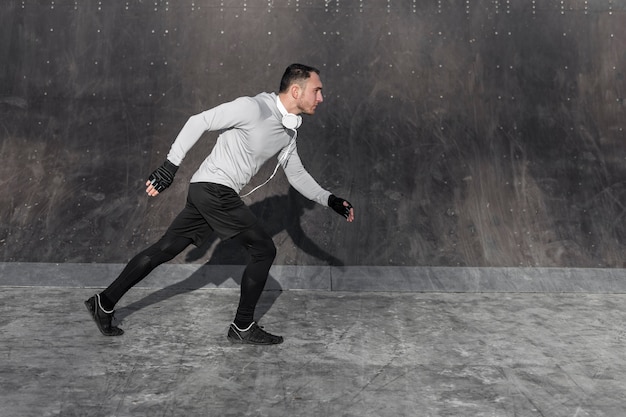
x=252, y=134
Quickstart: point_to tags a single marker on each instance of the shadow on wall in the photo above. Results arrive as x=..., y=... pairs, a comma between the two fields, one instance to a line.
x=276, y=214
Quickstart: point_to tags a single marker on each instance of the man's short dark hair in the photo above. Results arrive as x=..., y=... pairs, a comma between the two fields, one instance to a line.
x=296, y=73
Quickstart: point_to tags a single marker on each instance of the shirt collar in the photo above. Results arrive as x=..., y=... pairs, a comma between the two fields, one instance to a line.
x=280, y=105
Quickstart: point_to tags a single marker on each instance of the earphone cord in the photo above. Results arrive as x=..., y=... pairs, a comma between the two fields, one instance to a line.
x=281, y=159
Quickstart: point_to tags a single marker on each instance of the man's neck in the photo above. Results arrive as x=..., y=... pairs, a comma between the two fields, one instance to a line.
x=287, y=105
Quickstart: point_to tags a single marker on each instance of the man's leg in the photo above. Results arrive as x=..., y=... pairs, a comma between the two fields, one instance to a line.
x=262, y=253
x=141, y=265
x=101, y=305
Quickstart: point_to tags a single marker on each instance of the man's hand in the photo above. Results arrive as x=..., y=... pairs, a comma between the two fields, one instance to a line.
x=161, y=178
x=150, y=190
x=341, y=206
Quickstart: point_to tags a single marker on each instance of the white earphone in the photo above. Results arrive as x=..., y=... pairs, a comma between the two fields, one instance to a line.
x=292, y=121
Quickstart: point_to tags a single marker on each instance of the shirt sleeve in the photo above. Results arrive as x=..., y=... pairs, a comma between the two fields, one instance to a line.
x=237, y=113
x=302, y=181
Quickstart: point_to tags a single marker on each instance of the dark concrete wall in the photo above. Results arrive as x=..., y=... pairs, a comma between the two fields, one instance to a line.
x=474, y=133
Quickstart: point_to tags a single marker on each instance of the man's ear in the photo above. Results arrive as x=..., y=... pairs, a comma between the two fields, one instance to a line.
x=295, y=91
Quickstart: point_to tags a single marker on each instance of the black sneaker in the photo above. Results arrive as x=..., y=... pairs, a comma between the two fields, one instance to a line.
x=253, y=335
x=102, y=317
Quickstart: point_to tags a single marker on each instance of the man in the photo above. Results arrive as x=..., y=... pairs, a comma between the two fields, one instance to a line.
x=254, y=130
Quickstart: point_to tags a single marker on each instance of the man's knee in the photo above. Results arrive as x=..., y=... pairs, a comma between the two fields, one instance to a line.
x=270, y=250
x=263, y=250
x=259, y=244
x=166, y=248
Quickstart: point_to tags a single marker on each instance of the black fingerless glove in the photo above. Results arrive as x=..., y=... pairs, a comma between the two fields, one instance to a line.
x=163, y=176
x=336, y=204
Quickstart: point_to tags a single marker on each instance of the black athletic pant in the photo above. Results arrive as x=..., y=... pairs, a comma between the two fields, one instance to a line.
x=257, y=242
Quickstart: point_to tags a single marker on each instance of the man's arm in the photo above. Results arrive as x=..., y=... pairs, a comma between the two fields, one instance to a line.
x=224, y=116
x=236, y=113
x=306, y=185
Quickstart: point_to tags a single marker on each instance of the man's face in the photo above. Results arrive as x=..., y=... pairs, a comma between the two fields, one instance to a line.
x=310, y=95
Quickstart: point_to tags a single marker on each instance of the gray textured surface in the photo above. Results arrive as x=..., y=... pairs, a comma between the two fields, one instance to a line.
x=186, y=277
x=482, y=133
x=345, y=354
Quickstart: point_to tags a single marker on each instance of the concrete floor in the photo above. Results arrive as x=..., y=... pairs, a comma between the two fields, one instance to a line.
x=345, y=354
